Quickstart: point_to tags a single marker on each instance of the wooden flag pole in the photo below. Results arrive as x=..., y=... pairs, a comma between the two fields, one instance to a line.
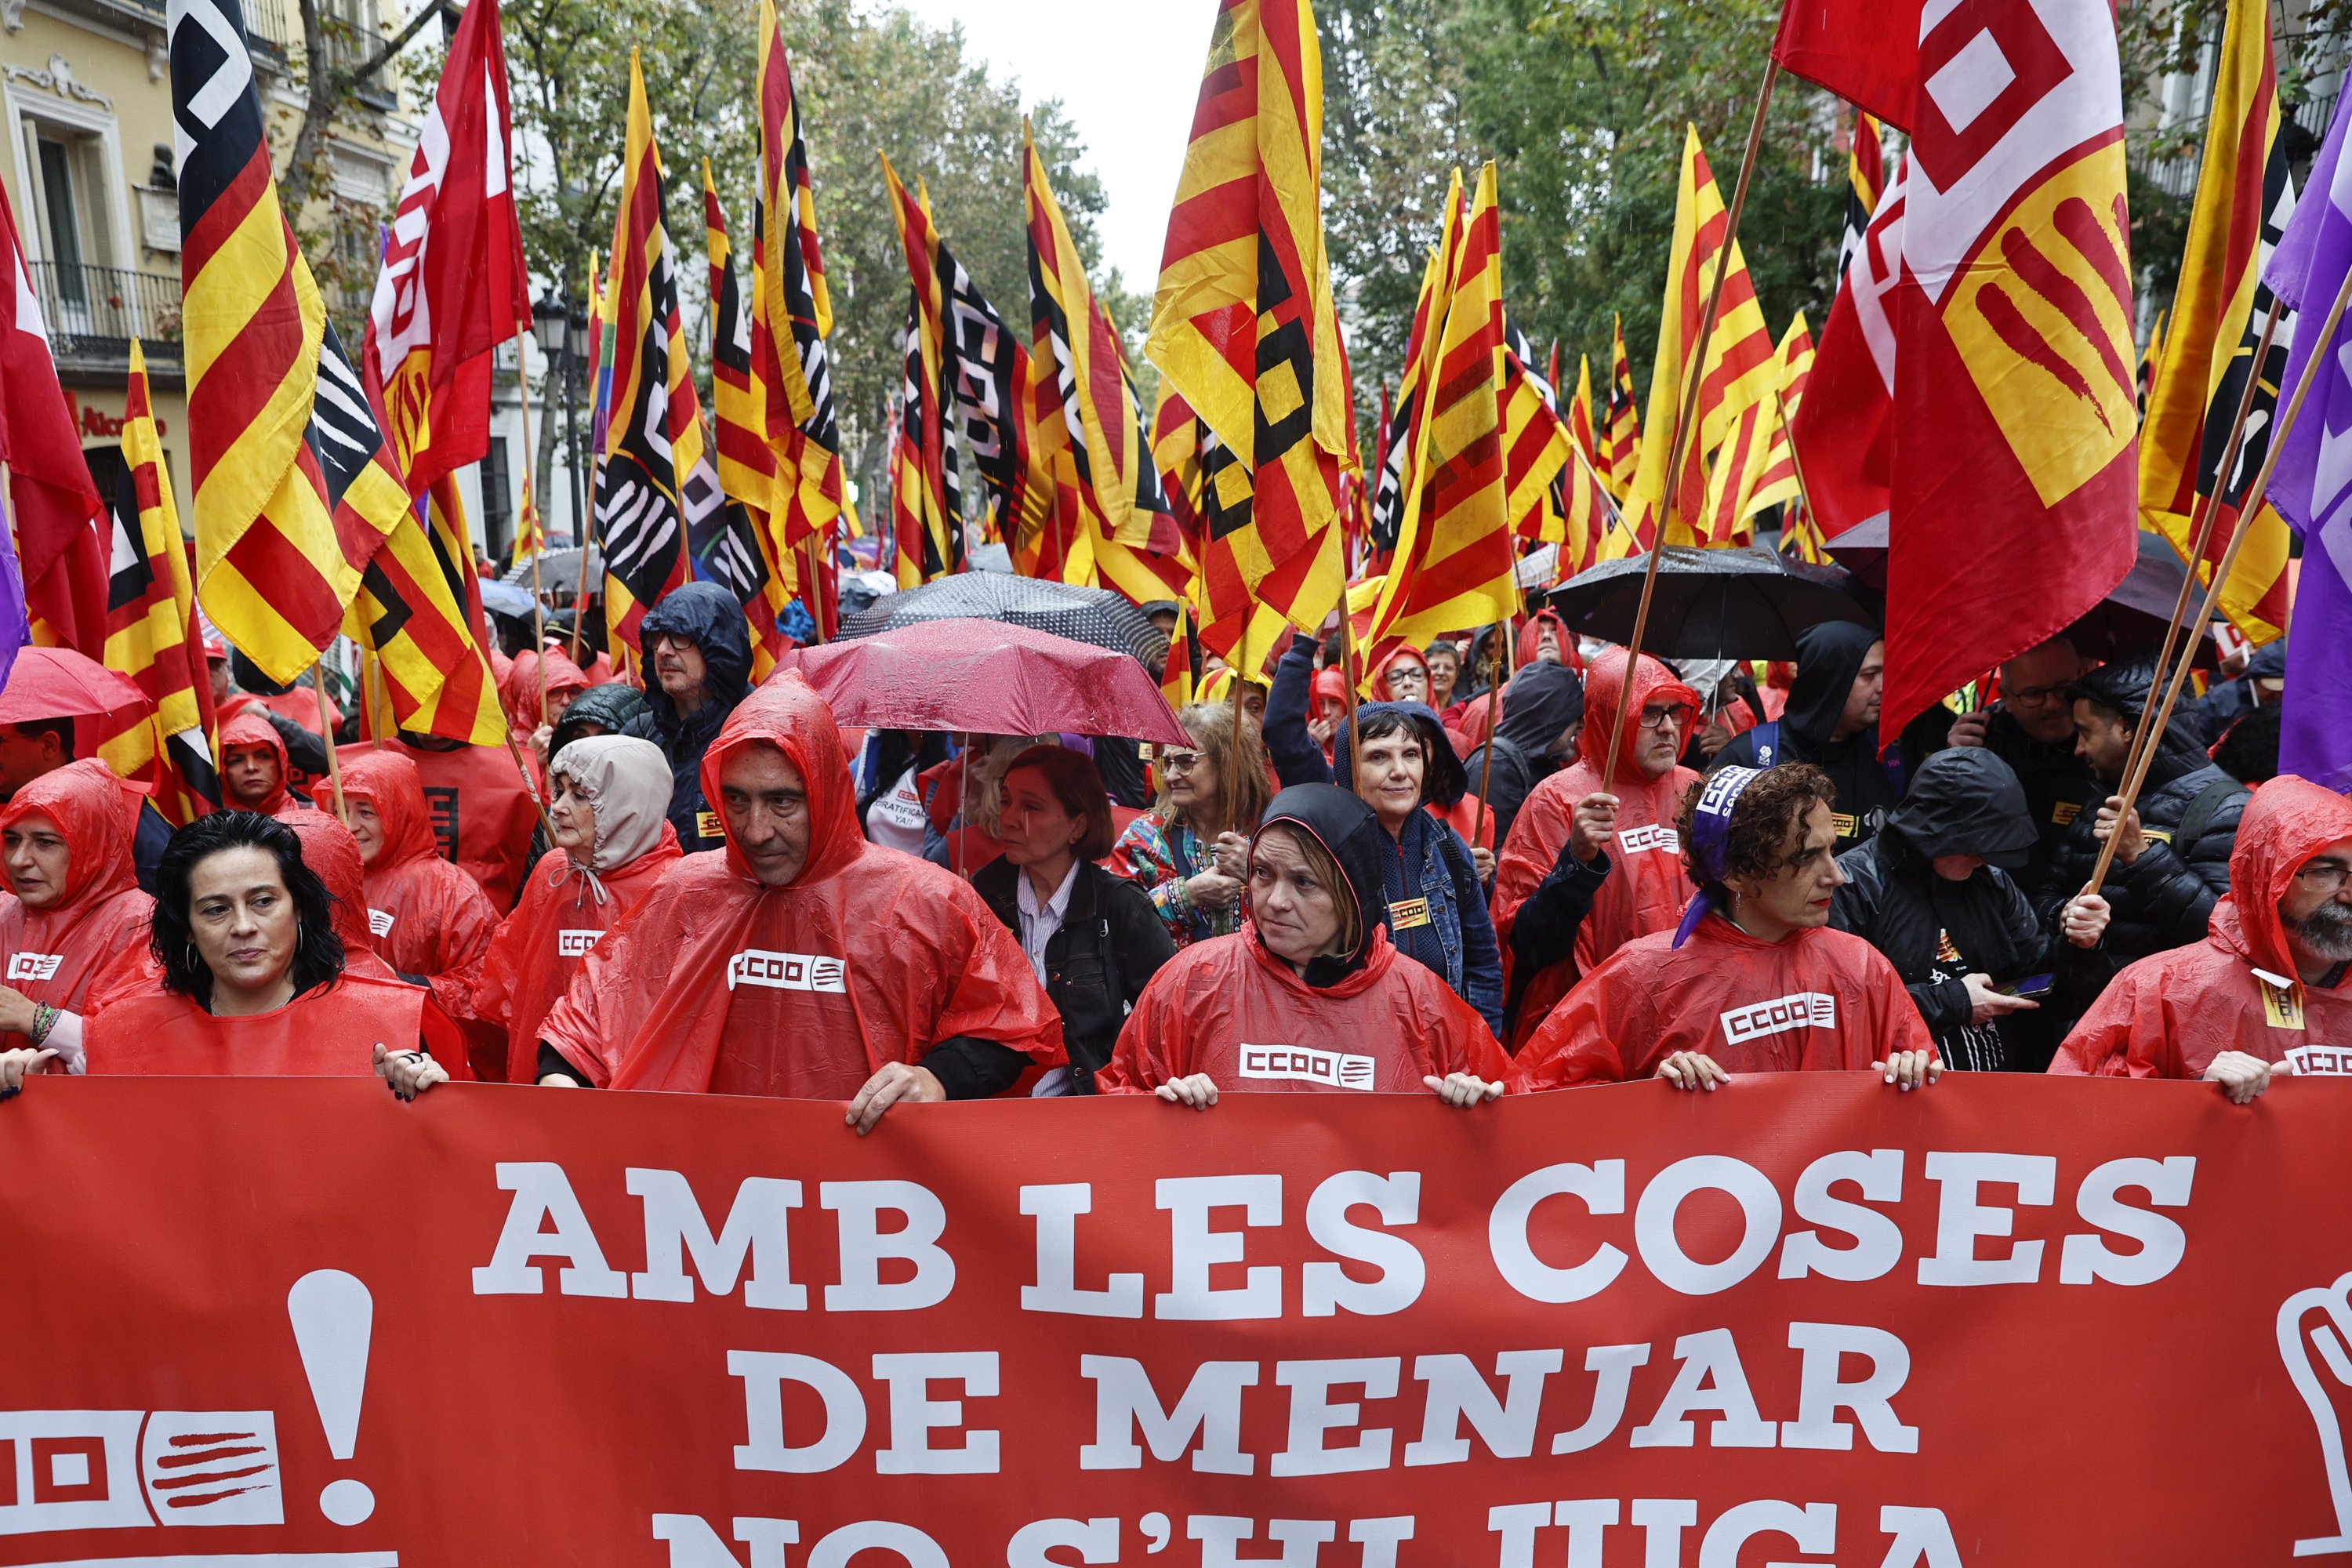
x=1348, y=668
x=1234, y=751
x=1804, y=491
x=1495, y=661
x=1684, y=416
x=327, y=729
x=815, y=585
x=2152, y=725
x=2201, y=528
x=538, y=543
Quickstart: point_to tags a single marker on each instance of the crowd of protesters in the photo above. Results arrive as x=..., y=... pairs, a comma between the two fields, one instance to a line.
x=1433, y=889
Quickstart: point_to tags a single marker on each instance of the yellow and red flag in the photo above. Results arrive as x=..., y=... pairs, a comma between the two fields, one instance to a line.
x=1579, y=412
x=792, y=317
x=151, y=633
x=1181, y=676
x=653, y=441
x=1755, y=467
x=1125, y=536
x=1733, y=369
x=743, y=556
x=926, y=500
x=1620, y=456
x=2198, y=373
x=1243, y=326
x=1553, y=493
x=1454, y=563
x=1866, y=182
x=1399, y=439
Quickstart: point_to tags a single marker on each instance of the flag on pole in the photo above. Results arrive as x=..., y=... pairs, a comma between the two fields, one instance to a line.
x=1781, y=481
x=1181, y=676
x=1734, y=370
x=1866, y=182
x=2015, y=446
x=927, y=499
x=53, y=504
x=1129, y=534
x=1846, y=426
x=151, y=631
x=1756, y=468
x=1551, y=491
x=792, y=317
x=2245, y=196
x=2308, y=487
x=740, y=549
x=653, y=441
x=1399, y=426
x=1455, y=563
x=452, y=285
x=1621, y=455
x=1579, y=419
x=2148, y=359
x=531, y=529
x=1868, y=52
x=1243, y=325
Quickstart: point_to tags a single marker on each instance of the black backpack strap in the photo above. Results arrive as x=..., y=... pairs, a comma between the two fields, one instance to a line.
x=2200, y=815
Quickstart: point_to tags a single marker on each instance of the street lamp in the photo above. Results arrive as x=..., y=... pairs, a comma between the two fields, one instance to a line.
x=550, y=323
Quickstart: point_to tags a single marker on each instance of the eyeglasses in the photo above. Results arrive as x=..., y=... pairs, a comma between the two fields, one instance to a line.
x=2034, y=696
x=1179, y=762
x=2325, y=876
x=1663, y=716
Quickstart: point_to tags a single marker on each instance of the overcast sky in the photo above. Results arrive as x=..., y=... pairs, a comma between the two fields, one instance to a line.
x=1128, y=72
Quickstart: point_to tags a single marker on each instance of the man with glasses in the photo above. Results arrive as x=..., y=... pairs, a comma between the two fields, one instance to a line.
x=697, y=653
x=2263, y=993
x=1832, y=723
x=2032, y=729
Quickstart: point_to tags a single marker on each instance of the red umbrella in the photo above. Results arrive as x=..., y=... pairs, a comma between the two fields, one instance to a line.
x=58, y=683
x=986, y=677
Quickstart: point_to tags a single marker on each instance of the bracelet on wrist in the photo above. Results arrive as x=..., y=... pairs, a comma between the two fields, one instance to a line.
x=45, y=1018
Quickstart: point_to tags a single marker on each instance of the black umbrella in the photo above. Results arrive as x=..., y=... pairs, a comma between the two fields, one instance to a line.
x=1095, y=616
x=1709, y=604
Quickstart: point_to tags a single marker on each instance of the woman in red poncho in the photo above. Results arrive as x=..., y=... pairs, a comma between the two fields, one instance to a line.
x=613, y=841
x=255, y=768
x=1569, y=825
x=251, y=979
x=1754, y=980
x=801, y=960
x=518, y=694
x=75, y=910
x=428, y=917
x=1310, y=996
x=332, y=851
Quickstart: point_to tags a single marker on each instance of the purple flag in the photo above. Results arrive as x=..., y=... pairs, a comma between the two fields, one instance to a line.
x=15, y=629
x=2312, y=486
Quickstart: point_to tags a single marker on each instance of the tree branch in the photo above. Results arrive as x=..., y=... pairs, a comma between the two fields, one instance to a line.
x=400, y=40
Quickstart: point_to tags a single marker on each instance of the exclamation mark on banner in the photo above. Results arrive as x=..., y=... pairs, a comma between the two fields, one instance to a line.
x=333, y=1315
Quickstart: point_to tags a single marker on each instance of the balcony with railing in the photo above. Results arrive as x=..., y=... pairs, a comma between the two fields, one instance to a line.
x=93, y=313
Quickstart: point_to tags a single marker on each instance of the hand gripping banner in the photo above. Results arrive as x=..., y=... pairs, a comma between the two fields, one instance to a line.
x=1999, y=1323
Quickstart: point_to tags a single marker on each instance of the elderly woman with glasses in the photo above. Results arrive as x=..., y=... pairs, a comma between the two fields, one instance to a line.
x=1190, y=849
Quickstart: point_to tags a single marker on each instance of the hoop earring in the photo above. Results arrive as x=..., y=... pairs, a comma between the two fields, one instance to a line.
x=193, y=962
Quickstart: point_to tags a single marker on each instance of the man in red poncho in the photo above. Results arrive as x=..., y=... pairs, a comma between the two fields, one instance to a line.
x=1754, y=980
x=2266, y=986
x=801, y=960
x=1572, y=829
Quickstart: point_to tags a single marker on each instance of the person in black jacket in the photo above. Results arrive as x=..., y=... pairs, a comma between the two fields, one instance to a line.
x=698, y=651
x=1831, y=721
x=2032, y=729
x=1093, y=938
x=1932, y=893
x=2172, y=862
x=1543, y=719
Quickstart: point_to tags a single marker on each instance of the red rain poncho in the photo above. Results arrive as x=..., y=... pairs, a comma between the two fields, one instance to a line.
x=327, y=1032
x=564, y=913
x=250, y=728
x=2169, y=1015
x=518, y=688
x=1646, y=890
x=1819, y=1001
x=428, y=916
x=716, y=984
x=1531, y=638
x=1229, y=1009
x=333, y=857
x=55, y=955
x=481, y=813
x=1407, y=655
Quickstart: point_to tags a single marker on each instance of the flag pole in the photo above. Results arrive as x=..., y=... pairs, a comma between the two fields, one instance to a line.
x=814, y=584
x=1684, y=413
x=1348, y=668
x=327, y=731
x=1796, y=460
x=2201, y=528
x=539, y=540
x=2152, y=726
x=1233, y=750
x=1494, y=679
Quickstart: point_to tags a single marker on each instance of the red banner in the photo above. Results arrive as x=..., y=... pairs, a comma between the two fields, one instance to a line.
x=1804, y=1320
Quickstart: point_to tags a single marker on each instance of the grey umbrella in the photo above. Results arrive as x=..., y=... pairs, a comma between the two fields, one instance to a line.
x=559, y=570
x=1095, y=616
x=1709, y=604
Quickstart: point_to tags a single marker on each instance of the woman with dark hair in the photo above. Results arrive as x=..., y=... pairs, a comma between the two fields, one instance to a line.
x=253, y=980
x=1187, y=851
x=1754, y=980
x=1314, y=970
x=1094, y=939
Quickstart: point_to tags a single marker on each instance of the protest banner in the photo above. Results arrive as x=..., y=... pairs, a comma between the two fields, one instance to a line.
x=2001, y=1322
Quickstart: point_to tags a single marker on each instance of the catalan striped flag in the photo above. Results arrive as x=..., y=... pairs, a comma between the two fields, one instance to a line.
x=406, y=614
x=927, y=499
x=1538, y=448
x=531, y=529
x=1455, y=563
x=151, y=631
x=2150, y=358
x=1580, y=413
x=1129, y=534
x=1866, y=182
x=1243, y=325
x=1620, y=455
x=1181, y=676
x=1733, y=369
x=2244, y=197
x=300, y=515
x=1399, y=425
x=743, y=549
x=653, y=441
x=792, y=317
x=1755, y=467
x=1781, y=481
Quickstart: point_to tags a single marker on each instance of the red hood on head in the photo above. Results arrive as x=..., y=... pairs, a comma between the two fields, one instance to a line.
x=98, y=815
x=1380, y=692
x=1330, y=685
x=519, y=686
x=330, y=850
x=250, y=728
x=787, y=714
x=2289, y=821
x=1653, y=682
x=390, y=782
x=1530, y=632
